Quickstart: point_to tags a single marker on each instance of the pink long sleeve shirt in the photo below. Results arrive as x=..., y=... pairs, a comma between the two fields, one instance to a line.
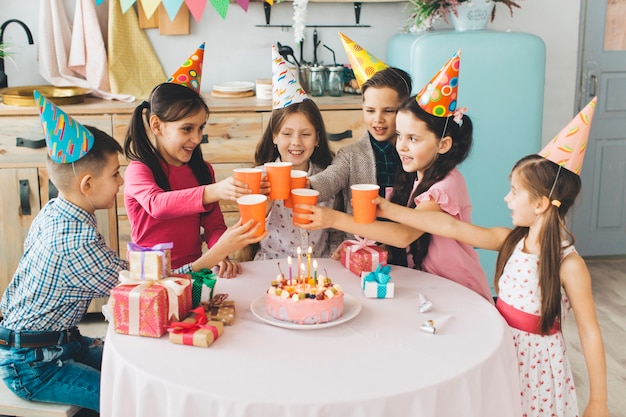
x=158, y=216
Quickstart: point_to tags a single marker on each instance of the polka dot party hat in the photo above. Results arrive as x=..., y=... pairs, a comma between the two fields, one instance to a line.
x=286, y=89
x=66, y=139
x=439, y=96
x=363, y=63
x=190, y=73
x=567, y=149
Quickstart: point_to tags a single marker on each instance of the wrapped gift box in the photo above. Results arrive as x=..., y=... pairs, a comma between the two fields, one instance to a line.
x=220, y=309
x=196, y=330
x=202, y=283
x=361, y=255
x=377, y=284
x=145, y=308
x=149, y=263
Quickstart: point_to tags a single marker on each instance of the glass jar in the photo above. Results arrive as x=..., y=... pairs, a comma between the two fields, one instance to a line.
x=334, y=85
x=317, y=81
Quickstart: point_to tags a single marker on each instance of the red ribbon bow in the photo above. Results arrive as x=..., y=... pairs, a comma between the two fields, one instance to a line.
x=189, y=328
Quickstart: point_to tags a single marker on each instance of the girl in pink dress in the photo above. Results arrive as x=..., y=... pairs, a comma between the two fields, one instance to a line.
x=539, y=277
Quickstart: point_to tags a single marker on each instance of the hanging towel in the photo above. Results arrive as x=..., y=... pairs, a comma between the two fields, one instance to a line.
x=55, y=40
x=133, y=66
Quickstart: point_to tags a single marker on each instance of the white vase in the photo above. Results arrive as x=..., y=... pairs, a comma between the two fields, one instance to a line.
x=472, y=15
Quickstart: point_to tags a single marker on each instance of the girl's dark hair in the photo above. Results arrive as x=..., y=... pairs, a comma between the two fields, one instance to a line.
x=266, y=151
x=444, y=163
x=169, y=102
x=394, y=78
x=537, y=175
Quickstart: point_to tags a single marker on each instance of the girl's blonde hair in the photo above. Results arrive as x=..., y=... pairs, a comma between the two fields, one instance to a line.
x=543, y=178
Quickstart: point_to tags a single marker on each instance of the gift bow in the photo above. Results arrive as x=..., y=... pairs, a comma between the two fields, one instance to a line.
x=189, y=328
x=173, y=286
x=203, y=278
x=216, y=302
x=381, y=277
x=362, y=242
x=160, y=249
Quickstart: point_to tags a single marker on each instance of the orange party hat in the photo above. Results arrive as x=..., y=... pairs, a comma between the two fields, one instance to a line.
x=363, y=63
x=66, y=139
x=439, y=96
x=567, y=149
x=190, y=73
x=286, y=89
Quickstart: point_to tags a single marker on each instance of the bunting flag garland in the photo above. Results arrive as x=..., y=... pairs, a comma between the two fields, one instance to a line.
x=244, y=4
x=196, y=7
x=149, y=7
x=127, y=4
x=172, y=7
x=221, y=7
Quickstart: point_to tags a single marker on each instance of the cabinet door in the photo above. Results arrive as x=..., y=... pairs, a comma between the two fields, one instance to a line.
x=19, y=205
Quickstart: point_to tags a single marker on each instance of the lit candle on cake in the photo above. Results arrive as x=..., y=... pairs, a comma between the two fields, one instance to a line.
x=290, y=275
x=299, y=251
x=302, y=270
x=309, y=252
x=315, y=270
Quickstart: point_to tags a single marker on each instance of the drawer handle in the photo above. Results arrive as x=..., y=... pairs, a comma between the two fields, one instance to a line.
x=24, y=200
x=205, y=138
x=335, y=137
x=52, y=191
x=30, y=143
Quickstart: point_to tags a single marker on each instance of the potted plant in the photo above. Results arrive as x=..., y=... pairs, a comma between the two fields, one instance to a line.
x=424, y=12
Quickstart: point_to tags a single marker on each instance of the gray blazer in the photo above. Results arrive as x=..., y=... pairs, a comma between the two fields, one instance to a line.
x=354, y=164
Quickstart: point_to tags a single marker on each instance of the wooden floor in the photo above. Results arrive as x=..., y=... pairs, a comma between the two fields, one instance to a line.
x=609, y=290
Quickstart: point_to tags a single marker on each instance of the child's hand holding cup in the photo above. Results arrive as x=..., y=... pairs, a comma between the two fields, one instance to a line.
x=251, y=176
x=363, y=208
x=303, y=196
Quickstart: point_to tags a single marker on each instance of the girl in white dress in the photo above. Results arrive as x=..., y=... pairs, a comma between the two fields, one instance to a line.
x=539, y=277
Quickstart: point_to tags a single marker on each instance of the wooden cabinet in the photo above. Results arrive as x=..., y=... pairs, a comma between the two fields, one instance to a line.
x=233, y=131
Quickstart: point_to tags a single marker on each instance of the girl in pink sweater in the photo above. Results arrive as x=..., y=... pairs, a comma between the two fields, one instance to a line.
x=170, y=192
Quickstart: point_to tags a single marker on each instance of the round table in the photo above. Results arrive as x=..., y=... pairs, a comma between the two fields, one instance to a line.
x=377, y=364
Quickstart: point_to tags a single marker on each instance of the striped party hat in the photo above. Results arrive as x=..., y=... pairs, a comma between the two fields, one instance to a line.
x=439, y=96
x=66, y=139
x=567, y=149
x=190, y=73
x=286, y=89
x=364, y=64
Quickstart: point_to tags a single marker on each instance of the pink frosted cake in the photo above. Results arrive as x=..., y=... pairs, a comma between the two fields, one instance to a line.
x=312, y=302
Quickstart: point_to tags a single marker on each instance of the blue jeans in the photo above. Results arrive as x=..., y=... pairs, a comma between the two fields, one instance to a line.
x=62, y=374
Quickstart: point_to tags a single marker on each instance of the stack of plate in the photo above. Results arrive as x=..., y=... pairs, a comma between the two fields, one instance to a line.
x=233, y=89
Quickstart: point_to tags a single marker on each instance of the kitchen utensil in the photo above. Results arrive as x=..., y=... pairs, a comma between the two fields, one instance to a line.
x=334, y=59
x=287, y=51
x=316, y=43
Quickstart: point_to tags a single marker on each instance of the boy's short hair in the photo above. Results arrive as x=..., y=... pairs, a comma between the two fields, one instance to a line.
x=63, y=175
x=394, y=78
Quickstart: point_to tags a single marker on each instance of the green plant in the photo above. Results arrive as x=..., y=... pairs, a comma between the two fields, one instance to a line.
x=4, y=50
x=423, y=13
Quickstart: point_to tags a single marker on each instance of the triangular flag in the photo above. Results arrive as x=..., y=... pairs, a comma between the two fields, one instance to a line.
x=244, y=4
x=66, y=139
x=149, y=6
x=221, y=6
x=196, y=7
x=172, y=7
x=190, y=73
x=439, y=96
x=126, y=4
x=99, y=2
x=270, y=2
x=568, y=147
x=364, y=64
x=286, y=89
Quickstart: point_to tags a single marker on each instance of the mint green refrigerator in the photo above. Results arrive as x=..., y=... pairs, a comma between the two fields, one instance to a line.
x=501, y=82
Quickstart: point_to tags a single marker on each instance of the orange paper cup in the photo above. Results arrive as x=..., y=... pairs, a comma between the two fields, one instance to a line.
x=303, y=196
x=298, y=180
x=279, y=175
x=251, y=176
x=362, y=206
x=252, y=206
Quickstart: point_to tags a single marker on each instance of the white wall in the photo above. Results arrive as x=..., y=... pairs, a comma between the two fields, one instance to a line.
x=237, y=50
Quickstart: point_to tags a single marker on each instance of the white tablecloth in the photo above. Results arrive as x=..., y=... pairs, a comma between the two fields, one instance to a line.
x=377, y=364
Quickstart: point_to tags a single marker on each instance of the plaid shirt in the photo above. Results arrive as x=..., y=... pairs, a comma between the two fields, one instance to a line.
x=387, y=162
x=66, y=263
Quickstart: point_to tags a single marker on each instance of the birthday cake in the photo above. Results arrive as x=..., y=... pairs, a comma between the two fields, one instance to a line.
x=303, y=301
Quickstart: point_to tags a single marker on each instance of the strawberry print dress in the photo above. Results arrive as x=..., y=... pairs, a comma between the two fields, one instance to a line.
x=546, y=381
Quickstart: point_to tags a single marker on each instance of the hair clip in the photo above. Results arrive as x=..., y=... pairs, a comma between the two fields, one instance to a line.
x=555, y=203
x=458, y=115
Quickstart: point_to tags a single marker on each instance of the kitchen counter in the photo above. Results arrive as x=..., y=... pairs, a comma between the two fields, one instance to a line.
x=220, y=105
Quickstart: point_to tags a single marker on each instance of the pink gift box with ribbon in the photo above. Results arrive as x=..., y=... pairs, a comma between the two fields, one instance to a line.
x=361, y=255
x=149, y=263
x=146, y=308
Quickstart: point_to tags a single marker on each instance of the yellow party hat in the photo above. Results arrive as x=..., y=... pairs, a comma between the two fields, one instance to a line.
x=567, y=149
x=363, y=63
